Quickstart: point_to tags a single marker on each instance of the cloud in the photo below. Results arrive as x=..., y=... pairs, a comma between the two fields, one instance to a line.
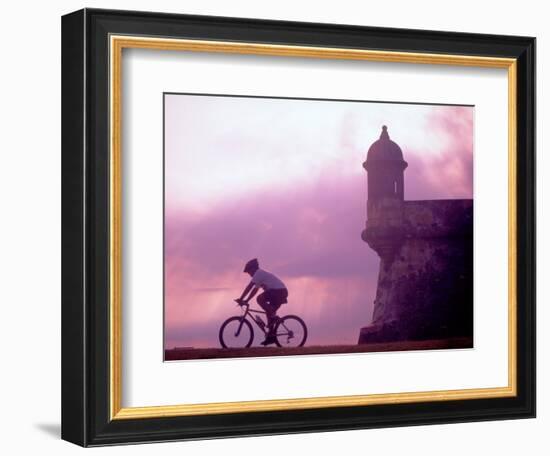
x=447, y=173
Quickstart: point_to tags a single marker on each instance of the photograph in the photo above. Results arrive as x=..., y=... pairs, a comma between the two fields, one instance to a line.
x=297, y=226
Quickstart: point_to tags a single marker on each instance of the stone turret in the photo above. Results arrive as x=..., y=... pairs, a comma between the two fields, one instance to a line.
x=385, y=168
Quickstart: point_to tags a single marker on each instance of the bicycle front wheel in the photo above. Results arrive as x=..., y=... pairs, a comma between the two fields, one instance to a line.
x=236, y=332
x=291, y=331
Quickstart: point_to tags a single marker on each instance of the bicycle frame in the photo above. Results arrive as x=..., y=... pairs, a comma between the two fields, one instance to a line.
x=248, y=313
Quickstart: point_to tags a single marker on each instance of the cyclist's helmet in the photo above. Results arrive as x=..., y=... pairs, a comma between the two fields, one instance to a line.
x=252, y=265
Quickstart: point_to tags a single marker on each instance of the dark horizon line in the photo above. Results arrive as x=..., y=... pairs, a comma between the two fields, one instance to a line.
x=272, y=97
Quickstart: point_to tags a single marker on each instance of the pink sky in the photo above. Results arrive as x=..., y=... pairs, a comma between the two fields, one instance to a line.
x=282, y=180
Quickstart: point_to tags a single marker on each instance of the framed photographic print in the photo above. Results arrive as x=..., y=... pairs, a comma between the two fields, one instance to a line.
x=279, y=227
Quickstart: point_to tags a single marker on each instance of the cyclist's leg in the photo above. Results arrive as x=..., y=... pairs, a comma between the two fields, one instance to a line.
x=262, y=300
x=272, y=315
x=274, y=318
x=277, y=299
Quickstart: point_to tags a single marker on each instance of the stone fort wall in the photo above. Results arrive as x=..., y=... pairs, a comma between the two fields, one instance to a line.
x=425, y=282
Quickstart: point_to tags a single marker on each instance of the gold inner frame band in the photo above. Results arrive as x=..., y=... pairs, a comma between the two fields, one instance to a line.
x=117, y=44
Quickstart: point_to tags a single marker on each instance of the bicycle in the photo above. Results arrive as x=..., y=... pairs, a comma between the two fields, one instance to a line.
x=238, y=332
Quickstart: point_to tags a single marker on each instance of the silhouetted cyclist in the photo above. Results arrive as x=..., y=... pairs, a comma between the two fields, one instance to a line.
x=275, y=294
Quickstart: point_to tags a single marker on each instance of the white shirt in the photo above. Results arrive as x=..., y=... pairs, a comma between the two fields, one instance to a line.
x=267, y=281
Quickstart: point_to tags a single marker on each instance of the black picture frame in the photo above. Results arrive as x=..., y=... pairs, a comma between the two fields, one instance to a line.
x=86, y=416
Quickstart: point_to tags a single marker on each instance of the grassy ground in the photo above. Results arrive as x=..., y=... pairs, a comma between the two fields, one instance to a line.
x=209, y=353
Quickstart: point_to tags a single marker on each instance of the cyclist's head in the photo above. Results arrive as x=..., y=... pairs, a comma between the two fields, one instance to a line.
x=252, y=266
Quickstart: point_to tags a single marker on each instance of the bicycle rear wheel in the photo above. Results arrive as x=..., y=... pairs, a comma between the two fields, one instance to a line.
x=291, y=331
x=236, y=332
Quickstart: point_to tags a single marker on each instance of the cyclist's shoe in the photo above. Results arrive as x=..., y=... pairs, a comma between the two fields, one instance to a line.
x=269, y=340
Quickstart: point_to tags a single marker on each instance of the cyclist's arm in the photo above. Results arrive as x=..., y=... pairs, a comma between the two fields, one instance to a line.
x=246, y=290
x=253, y=292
